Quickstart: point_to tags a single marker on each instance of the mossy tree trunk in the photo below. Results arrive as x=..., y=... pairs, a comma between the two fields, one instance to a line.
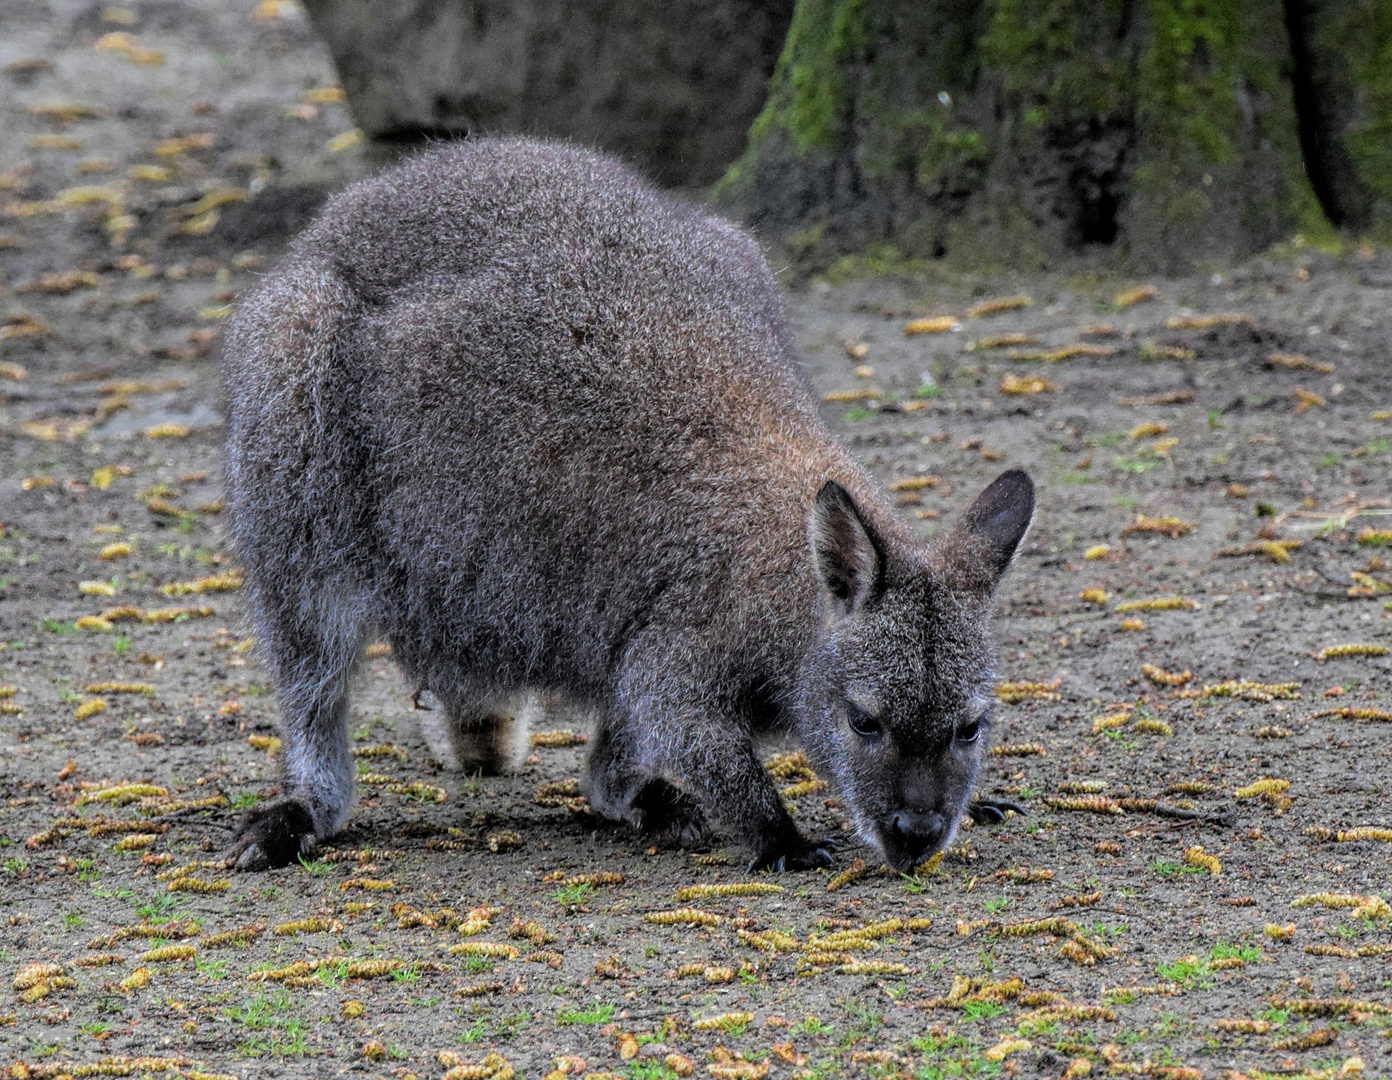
x=1008, y=132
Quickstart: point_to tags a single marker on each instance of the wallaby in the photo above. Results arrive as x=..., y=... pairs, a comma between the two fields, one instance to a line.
x=543, y=426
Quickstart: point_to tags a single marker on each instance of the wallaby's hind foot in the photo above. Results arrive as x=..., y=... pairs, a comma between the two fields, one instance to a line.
x=272, y=838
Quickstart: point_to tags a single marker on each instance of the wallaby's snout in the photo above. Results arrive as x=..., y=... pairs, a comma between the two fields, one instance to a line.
x=916, y=832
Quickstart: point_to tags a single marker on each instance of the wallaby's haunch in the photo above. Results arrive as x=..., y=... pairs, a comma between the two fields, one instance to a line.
x=542, y=425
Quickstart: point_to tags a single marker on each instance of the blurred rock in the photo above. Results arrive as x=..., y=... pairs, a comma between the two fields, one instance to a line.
x=672, y=87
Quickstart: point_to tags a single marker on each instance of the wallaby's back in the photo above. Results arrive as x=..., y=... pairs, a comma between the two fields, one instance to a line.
x=520, y=408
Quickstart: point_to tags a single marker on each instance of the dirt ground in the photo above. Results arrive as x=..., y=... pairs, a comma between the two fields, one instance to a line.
x=1144, y=918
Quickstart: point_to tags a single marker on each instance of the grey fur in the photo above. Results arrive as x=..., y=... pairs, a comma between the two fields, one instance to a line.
x=542, y=425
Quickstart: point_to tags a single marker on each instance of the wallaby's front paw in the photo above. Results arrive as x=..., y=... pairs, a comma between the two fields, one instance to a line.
x=993, y=811
x=795, y=853
x=273, y=837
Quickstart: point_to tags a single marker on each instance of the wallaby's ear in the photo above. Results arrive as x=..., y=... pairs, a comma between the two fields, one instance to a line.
x=978, y=549
x=844, y=550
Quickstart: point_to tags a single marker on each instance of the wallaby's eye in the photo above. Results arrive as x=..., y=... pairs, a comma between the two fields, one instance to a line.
x=969, y=732
x=862, y=723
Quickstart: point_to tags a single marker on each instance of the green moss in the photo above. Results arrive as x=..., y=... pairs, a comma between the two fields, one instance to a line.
x=942, y=110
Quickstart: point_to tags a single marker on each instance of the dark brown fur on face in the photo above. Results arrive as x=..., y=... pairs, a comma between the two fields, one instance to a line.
x=542, y=426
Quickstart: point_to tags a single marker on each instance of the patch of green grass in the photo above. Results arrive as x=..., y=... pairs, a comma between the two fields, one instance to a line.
x=858, y=413
x=244, y=800
x=950, y=1057
x=473, y=1033
x=812, y=1026
x=650, y=1070
x=121, y=643
x=932, y=390
x=314, y=867
x=982, y=1010
x=996, y=904
x=598, y=1014
x=58, y=626
x=1224, y=951
x=159, y=905
x=15, y=866
x=1328, y=461
x=1170, y=868
x=96, y=1027
x=72, y=920
x=210, y=969
x=573, y=894
x=1187, y=970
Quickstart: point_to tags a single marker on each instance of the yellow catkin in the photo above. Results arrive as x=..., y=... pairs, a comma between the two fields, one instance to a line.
x=1109, y=722
x=1019, y=750
x=1276, y=932
x=768, y=940
x=1244, y=688
x=496, y=949
x=198, y=885
x=1243, y=1026
x=1161, y=677
x=170, y=952
x=737, y=888
x=119, y=688
x=268, y=743
x=557, y=739
x=1196, y=856
x=862, y=393
x=1024, y=875
x=1095, y=552
x=1307, y=1041
x=1002, y=303
x=135, y=842
x=1096, y=804
x=90, y=707
x=938, y=325
x=240, y=937
x=1349, y=712
x=722, y=1021
x=684, y=916
x=1022, y=385
x=1160, y=603
x=1152, y=727
x=1172, y=527
x=1139, y=295
x=1013, y=692
x=227, y=581
x=1149, y=430
x=116, y=550
x=1334, y=652
x=316, y=925
x=1265, y=786
x=121, y=793
x=1364, y=907
x=915, y=483
x=1094, y=596
x=370, y=884
x=135, y=980
x=858, y=869
x=1005, y=1048
x=94, y=623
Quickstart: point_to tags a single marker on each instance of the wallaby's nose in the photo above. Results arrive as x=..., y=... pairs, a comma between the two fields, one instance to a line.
x=918, y=832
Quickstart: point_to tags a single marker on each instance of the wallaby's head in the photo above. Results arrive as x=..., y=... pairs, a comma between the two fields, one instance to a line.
x=896, y=697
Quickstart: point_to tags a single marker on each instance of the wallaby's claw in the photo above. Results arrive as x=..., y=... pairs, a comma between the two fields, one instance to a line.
x=271, y=838
x=993, y=811
x=804, y=855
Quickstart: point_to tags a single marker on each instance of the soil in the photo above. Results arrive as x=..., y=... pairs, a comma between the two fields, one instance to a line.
x=113, y=437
